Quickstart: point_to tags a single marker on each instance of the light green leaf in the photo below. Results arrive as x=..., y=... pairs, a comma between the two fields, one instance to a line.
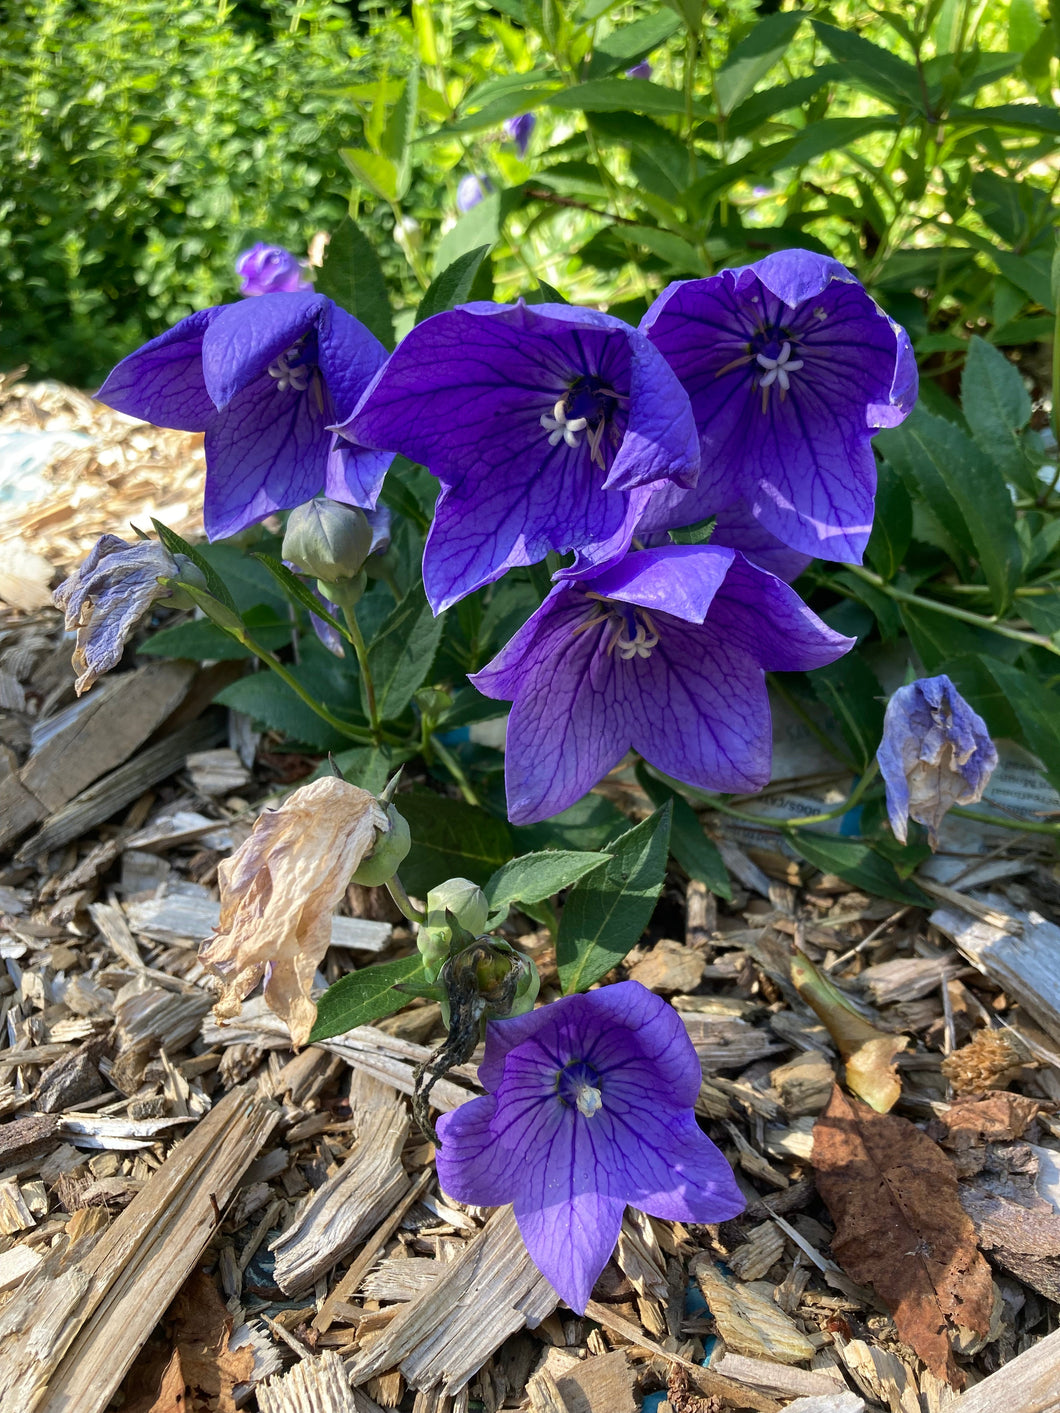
x=997, y=407
x=453, y=285
x=401, y=653
x=617, y=95
x=375, y=171
x=450, y=839
x=536, y=877
x=607, y=910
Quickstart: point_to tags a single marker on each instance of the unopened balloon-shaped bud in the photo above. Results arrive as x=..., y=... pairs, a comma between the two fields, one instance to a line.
x=456, y=914
x=327, y=540
x=391, y=846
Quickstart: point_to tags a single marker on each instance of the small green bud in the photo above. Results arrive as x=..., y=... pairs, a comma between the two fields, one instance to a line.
x=456, y=913
x=188, y=573
x=389, y=853
x=327, y=540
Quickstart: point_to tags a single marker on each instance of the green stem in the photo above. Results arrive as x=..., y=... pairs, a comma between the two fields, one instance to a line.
x=355, y=733
x=1028, y=826
x=773, y=822
x=1035, y=640
x=396, y=889
x=361, y=652
x=456, y=770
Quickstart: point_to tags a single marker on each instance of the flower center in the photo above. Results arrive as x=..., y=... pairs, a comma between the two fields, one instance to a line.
x=578, y=1085
x=632, y=632
x=769, y=353
x=587, y=409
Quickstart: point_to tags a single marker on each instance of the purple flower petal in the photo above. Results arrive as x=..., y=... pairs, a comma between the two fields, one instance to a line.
x=163, y=381
x=472, y=1166
x=245, y=338
x=790, y=368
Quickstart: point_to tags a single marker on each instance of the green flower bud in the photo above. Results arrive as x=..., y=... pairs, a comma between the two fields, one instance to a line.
x=386, y=858
x=327, y=540
x=188, y=573
x=456, y=911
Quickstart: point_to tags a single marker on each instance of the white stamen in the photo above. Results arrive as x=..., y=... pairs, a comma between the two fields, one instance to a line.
x=777, y=370
x=288, y=377
x=642, y=642
x=589, y=1100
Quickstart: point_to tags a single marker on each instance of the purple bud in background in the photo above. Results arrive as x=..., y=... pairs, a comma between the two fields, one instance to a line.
x=520, y=130
x=269, y=269
x=936, y=752
x=471, y=190
x=641, y=70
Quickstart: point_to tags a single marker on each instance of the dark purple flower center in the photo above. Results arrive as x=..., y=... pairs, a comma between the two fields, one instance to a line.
x=588, y=409
x=578, y=1086
x=632, y=633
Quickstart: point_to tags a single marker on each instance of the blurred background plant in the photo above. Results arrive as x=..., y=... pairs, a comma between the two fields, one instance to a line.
x=144, y=144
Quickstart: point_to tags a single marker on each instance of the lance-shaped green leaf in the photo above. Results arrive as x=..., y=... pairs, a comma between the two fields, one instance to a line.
x=300, y=592
x=352, y=276
x=607, y=910
x=858, y=864
x=697, y=854
x=537, y=877
x=997, y=407
x=401, y=653
x=366, y=995
x=176, y=545
x=754, y=56
x=450, y=839
x=453, y=285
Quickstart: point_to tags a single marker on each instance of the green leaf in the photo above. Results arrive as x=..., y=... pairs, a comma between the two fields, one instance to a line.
x=870, y=68
x=624, y=46
x=966, y=491
x=1037, y=709
x=690, y=845
x=397, y=135
x=858, y=864
x=299, y=592
x=202, y=640
x=1024, y=117
x=269, y=701
x=477, y=227
x=450, y=839
x=586, y=825
x=997, y=407
x=851, y=692
x=453, y=285
x=401, y=653
x=892, y=526
x=368, y=767
x=535, y=877
x=176, y=545
x=697, y=534
x=617, y=95
x=378, y=173
x=606, y=912
x=353, y=277
x=364, y=996
x=754, y=56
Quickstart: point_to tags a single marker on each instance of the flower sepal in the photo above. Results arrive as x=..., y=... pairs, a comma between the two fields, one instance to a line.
x=392, y=843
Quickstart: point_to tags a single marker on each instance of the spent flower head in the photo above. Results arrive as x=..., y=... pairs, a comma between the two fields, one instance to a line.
x=279, y=891
x=106, y=596
x=264, y=379
x=936, y=752
x=548, y=426
x=270, y=269
x=791, y=368
x=589, y=1108
x=664, y=652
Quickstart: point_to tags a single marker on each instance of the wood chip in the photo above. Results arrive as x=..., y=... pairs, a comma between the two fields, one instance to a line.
x=315, y=1385
x=70, y=1333
x=183, y=920
x=748, y=1320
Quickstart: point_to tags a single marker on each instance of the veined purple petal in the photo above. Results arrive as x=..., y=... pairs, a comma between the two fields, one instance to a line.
x=569, y=1238
x=790, y=368
x=769, y=621
x=246, y=337
x=472, y=1166
x=678, y=579
x=163, y=381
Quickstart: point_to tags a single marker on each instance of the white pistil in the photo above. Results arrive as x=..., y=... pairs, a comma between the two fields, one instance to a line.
x=642, y=642
x=589, y=1100
x=288, y=377
x=562, y=428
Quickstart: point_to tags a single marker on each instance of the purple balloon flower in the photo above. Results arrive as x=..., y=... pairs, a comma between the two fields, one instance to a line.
x=664, y=652
x=520, y=129
x=791, y=368
x=264, y=379
x=589, y=1109
x=270, y=269
x=936, y=752
x=471, y=190
x=548, y=426
x=641, y=70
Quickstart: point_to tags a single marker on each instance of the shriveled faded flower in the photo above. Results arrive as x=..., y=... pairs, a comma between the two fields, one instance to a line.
x=520, y=129
x=936, y=752
x=279, y=891
x=264, y=379
x=270, y=269
x=471, y=190
x=105, y=598
x=664, y=652
x=791, y=368
x=548, y=426
x=589, y=1108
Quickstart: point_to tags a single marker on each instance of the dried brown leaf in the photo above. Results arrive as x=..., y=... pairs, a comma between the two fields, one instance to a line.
x=171, y=1394
x=998, y=1118
x=900, y=1227
x=278, y=892
x=869, y=1053
x=202, y=1371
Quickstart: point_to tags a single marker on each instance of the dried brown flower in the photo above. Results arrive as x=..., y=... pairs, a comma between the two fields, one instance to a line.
x=278, y=893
